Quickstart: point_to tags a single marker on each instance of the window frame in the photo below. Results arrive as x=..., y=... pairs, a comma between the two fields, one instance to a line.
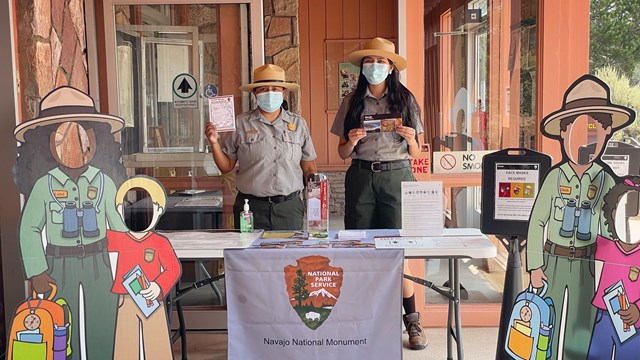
x=109, y=29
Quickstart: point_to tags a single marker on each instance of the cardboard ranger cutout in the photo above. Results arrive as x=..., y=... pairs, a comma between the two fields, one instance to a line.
x=565, y=221
x=69, y=171
x=147, y=269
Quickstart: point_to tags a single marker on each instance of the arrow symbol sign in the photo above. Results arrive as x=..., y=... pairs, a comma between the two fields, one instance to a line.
x=184, y=86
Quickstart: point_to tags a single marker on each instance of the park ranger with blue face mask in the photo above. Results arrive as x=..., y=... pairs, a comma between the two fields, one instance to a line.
x=380, y=152
x=274, y=152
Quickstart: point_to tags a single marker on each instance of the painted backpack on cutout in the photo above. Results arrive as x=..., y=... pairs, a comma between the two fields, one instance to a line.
x=531, y=326
x=41, y=329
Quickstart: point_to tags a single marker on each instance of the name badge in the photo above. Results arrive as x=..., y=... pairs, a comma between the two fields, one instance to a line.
x=252, y=131
x=565, y=190
x=149, y=255
x=60, y=194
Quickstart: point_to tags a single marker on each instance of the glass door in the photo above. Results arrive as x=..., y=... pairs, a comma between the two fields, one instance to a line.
x=164, y=61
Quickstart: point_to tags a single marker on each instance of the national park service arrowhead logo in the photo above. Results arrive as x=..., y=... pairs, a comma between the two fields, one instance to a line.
x=314, y=288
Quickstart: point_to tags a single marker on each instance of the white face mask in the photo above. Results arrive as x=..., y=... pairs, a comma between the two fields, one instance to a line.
x=270, y=101
x=375, y=73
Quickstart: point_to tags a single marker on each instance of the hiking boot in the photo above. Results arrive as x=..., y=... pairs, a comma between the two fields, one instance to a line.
x=417, y=337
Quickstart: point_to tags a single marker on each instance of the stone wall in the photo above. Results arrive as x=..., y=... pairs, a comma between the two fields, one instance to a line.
x=281, y=42
x=51, y=46
x=336, y=192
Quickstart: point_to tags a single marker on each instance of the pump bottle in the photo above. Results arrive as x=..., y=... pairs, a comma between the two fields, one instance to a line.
x=246, y=218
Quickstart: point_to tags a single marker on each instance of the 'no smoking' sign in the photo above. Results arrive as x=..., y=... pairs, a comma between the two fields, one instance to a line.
x=448, y=162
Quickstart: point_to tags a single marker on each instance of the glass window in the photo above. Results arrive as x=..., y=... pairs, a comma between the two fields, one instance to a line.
x=485, y=56
x=163, y=63
x=613, y=57
x=169, y=60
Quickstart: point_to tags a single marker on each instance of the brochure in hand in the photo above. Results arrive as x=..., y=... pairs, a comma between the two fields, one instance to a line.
x=222, y=113
x=615, y=299
x=381, y=122
x=133, y=282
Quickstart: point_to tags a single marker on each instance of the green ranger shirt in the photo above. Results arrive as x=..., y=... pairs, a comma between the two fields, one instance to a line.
x=44, y=211
x=560, y=185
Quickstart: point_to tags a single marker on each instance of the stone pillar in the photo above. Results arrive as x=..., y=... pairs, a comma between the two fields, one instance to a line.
x=336, y=201
x=51, y=46
x=281, y=41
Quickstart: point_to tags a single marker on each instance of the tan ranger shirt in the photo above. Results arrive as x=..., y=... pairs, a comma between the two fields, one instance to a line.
x=269, y=154
x=386, y=146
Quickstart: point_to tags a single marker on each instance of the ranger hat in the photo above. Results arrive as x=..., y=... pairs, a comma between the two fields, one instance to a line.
x=587, y=95
x=378, y=47
x=66, y=104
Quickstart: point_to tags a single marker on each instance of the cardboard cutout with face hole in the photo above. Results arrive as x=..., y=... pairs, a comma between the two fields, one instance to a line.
x=69, y=170
x=568, y=231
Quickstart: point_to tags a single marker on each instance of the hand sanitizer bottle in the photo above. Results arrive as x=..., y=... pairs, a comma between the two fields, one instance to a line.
x=246, y=218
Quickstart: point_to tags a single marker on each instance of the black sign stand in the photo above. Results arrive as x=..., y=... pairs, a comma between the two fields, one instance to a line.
x=512, y=233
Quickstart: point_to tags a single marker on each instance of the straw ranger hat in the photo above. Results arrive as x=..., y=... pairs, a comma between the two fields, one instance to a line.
x=66, y=104
x=269, y=75
x=378, y=47
x=587, y=95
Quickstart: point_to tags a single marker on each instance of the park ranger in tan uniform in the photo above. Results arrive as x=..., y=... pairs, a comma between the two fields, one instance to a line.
x=274, y=152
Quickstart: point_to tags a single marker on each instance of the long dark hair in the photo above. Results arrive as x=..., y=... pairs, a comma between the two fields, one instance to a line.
x=35, y=158
x=399, y=100
x=612, y=200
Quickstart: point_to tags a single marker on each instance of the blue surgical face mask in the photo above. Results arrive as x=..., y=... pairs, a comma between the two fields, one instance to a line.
x=375, y=73
x=270, y=101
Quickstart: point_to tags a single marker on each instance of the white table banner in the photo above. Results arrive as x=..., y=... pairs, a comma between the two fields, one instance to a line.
x=314, y=303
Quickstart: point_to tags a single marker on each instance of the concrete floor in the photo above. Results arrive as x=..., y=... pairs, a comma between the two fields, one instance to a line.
x=479, y=344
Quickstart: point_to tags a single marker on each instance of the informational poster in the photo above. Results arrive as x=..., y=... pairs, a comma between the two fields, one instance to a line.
x=422, y=208
x=516, y=188
x=618, y=163
x=347, y=79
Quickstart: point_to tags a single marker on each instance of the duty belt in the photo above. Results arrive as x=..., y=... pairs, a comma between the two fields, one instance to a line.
x=79, y=250
x=377, y=166
x=571, y=252
x=272, y=199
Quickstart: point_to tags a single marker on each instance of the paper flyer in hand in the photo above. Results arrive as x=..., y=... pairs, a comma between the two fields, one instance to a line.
x=133, y=282
x=615, y=299
x=222, y=113
x=381, y=122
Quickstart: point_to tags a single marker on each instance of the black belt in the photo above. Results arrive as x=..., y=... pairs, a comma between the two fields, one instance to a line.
x=272, y=199
x=79, y=250
x=377, y=166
